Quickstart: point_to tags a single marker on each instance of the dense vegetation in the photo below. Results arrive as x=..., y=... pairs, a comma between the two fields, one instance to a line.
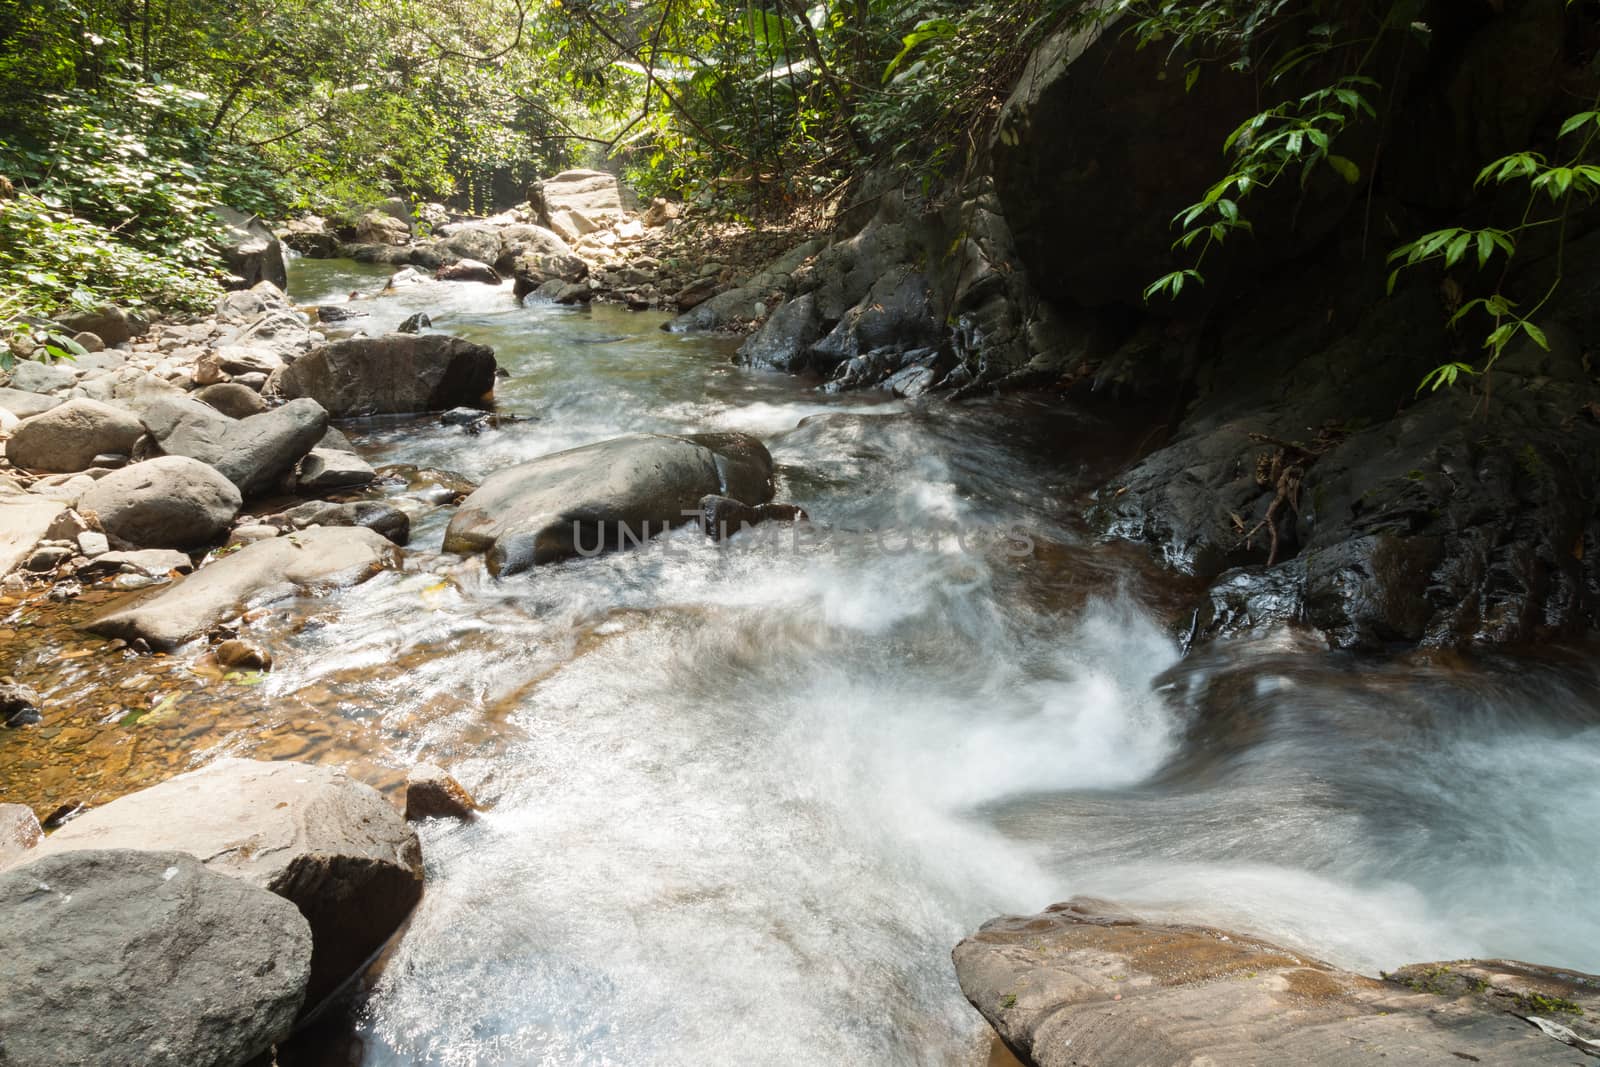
x=124, y=119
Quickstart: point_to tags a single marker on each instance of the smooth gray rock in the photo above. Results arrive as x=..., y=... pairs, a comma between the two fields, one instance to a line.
x=604, y=494
x=323, y=470
x=232, y=399
x=24, y=404
x=25, y=520
x=29, y=376
x=253, y=453
x=396, y=374
x=309, y=561
x=151, y=562
x=167, y=502
x=109, y=958
x=126, y=387
x=243, y=305
x=70, y=435
x=311, y=834
x=1085, y=983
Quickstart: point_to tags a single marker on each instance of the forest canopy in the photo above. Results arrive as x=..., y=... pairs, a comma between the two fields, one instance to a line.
x=125, y=119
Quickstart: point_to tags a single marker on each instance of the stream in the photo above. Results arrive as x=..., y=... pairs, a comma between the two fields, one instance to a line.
x=745, y=798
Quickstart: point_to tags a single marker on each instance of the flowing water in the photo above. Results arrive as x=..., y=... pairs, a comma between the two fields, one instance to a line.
x=745, y=799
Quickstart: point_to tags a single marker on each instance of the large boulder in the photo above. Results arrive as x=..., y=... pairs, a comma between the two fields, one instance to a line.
x=524, y=239
x=605, y=496
x=25, y=520
x=1084, y=983
x=534, y=269
x=381, y=228
x=396, y=374
x=251, y=251
x=68, y=437
x=254, y=453
x=259, y=573
x=313, y=835
x=592, y=193
x=116, y=957
x=166, y=502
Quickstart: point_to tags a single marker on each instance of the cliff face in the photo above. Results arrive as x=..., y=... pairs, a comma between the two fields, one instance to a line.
x=1302, y=472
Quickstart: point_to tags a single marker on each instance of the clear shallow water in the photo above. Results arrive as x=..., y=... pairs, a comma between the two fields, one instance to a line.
x=746, y=799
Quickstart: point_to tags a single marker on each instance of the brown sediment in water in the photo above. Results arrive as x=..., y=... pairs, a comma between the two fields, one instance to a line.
x=115, y=720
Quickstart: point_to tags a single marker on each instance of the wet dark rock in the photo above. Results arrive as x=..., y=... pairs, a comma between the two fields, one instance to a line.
x=305, y=562
x=47, y=558
x=721, y=517
x=785, y=339
x=386, y=519
x=476, y=420
x=415, y=323
x=19, y=705
x=1086, y=983
x=167, y=502
x=119, y=956
x=467, y=270
x=429, y=484
x=433, y=794
x=340, y=313
x=895, y=313
x=604, y=496
x=395, y=374
x=243, y=654
x=331, y=845
x=253, y=453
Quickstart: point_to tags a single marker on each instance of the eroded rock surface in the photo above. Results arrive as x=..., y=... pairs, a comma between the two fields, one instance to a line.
x=314, y=836
x=1086, y=983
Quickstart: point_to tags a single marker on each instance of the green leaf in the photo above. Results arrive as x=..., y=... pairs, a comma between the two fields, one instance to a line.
x=1347, y=168
x=1578, y=121
x=1537, y=334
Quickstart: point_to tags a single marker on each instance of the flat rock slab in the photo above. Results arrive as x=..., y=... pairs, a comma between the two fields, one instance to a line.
x=305, y=562
x=118, y=957
x=605, y=495
x=19, y=831
x=24, y=404
x=1083, y=983
x=313, y=835
x=396, y=374
x=253, y=453
x=25, y=519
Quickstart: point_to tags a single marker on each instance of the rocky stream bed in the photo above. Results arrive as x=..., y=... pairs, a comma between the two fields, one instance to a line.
x=883, y=665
